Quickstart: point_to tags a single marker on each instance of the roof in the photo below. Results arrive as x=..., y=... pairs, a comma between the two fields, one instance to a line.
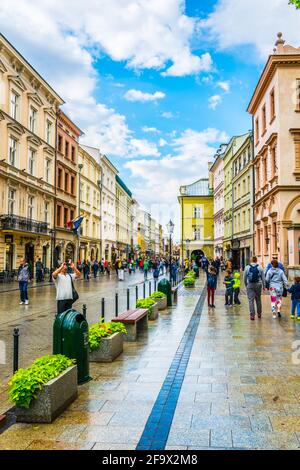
x=199, y=188
x=123, y=186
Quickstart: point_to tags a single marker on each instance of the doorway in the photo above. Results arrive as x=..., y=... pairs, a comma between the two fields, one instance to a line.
x=29, y=256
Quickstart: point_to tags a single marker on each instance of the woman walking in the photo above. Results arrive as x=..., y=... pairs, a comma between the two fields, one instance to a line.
x=277, y=281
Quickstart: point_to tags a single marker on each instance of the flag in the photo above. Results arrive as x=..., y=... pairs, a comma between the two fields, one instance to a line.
x=75, y=224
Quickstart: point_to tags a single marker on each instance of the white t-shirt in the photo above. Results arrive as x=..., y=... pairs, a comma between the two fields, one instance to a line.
x=64, y=286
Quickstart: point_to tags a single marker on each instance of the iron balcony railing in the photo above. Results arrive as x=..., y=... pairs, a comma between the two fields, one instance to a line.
x=23, y=224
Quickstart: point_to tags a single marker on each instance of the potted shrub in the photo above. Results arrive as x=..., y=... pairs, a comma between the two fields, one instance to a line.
x=44, y=390
x=191, y=274
x=189, y=282
x=106, y=341
x=160, y=298
x=150, y=305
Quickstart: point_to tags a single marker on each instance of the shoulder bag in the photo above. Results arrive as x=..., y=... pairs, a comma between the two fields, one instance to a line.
x=75, y=295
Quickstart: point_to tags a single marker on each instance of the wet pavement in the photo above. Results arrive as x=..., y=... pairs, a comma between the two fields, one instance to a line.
x=231, y=382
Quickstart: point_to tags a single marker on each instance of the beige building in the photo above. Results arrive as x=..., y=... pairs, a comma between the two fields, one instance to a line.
x=217, y=170
x=123, y=219
x=28, y=107
x=275, y=107
x=108, y=209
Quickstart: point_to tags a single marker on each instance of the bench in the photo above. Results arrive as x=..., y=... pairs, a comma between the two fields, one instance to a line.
x=175, y=293
x=134, y=321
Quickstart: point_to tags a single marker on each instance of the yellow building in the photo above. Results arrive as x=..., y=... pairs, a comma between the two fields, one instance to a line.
x=197, y=219
x=27, y=168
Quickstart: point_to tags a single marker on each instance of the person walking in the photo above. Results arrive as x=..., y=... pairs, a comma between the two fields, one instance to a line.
x=269, y=266
x=212, y=281
x=39, y=270
x=254, y=280
x=24, y=279
x=120, y=270
x=146, y=268
x=95, y=268
x=295, y=291
x=276, y=281
x=64, y=286
x=228, y=281
x=236, y=288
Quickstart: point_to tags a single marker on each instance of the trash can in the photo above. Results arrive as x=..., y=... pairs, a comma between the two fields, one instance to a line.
x=71, y=338
x=165, y=287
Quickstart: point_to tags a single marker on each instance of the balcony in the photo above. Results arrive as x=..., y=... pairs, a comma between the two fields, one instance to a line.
x=22, y=224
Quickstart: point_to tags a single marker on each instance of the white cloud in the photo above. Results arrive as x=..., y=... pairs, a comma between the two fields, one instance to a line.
x=225, y=86
x=167, y=115
x=214, y=101
x=143, y=148
x=162, y=142
x=189, y=65
x=252, y=22
x=137, y=95
x=150, y=129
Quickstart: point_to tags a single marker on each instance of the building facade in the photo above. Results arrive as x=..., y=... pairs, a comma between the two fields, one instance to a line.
x=27, y=168
x=275, y=107
x=217, y=170
x=123, y=219
x=197, y=219
x=66, y=189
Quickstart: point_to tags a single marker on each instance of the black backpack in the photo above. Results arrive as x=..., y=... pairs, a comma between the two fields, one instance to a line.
x=253, y=274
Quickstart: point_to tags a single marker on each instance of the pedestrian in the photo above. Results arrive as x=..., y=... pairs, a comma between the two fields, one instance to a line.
x=174, y=270
x=254, y=280
x=120, y=270
x=101, y=266
x=295, y=291
x=95, y=268
x=269, y=266
x=236, y=288
x=86, y=270
x=64, y=286
x=212, y=280
x=146, y=268
x=117, y=266
x=228, y=281
x=277, y=282
x=106, y=267
x=39, y=270
x=24, y=279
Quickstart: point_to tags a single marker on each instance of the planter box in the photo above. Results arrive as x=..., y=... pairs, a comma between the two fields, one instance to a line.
x=190, y=287
x=162, y=303
x=54, y=397
x=154, y=312
x=109, y=349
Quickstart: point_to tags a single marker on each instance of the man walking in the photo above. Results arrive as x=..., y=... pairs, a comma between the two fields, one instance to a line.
x=254, y=279
x=23, y=278
x=39, y=270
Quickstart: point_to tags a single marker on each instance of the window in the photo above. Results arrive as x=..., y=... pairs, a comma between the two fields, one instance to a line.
x=248, y=185
x=264, y=119
x=32, y=157
x=59, y=144
x=72, y=214
x=244, y=187
x=88, y=195
x=49, y=131
x=298, y=95
x=81, y=191
x=197, y=233
x=256, y=130
x=73, y=185
x=73, y=153
x=11, y=201
x=67, y=149
x=265, y=167
x=47, y=170
x=66, y=216
x=12, y=157
x=46, y=212
x=59, y=178
x=197, y=212
x=58, y=216
x=67, y=182
x=14, y=105
x=257, y=177
x=30, y=207
x=272, y=104
x=249, y=154
x=32, y=119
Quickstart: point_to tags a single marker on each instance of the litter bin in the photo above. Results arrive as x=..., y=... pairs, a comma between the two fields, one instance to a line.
x=165, y=287
x=71, y=338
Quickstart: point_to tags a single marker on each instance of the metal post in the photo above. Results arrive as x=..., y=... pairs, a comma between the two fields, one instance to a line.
x=149, y=288
x=84, y=310
x=155, y=283
x=103, y=308
x=16, y=349
x=128, y=299
x=144, y=290
x=117, y=304
x=137, y=293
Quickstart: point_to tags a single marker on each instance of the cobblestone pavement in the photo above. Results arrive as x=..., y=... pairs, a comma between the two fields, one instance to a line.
x=241, y=389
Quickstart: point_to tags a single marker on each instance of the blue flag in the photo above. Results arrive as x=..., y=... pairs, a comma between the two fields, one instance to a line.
x=76, y=224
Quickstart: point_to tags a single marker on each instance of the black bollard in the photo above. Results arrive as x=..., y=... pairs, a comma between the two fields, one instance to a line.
x=155, y=285
x=117, y=304
x=128, y=299
x=137, y=293
x=149, y=288
x=84, y=310
x=16, y=349
x=144, y=290
x=103, y=309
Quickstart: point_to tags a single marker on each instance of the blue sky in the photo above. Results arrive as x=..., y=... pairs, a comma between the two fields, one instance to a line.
x=158, y=85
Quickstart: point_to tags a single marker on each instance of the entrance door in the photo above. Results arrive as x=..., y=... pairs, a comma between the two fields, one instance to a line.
x=9, y=256
x=29, y=256
x=69, y=253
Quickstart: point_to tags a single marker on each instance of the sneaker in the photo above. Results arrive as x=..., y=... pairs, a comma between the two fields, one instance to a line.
x=26, y=302
x=293, y=317
x=22, y=303
x=213, y=306
x=274, y=315
x=252, y=318
x=259, y=315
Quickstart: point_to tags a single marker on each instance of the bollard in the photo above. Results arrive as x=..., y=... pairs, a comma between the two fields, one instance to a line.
x=84, y=310
x=149, y=288
x=117, y=304
x=128, y=299
x=16, y=349
x=136, y=293
x=155, y=285
x=144, y=290
x=103, y=309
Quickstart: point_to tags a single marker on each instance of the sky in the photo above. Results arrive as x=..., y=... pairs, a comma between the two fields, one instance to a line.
x=156, y=85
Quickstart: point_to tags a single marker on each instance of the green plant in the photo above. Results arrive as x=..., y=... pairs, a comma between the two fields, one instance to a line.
x=146, y=303
x=296, y=3
x=191, y=274
x=189, y=281
x=103, y=330
x=157, y=295
x=25, y=383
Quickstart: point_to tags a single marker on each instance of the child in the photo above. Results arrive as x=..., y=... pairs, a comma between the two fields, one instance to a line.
x=236, y=288
x=228, y=281
x=211, y=286
x=295, y=291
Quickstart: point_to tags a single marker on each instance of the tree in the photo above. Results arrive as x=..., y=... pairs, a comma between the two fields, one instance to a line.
x=295, y=2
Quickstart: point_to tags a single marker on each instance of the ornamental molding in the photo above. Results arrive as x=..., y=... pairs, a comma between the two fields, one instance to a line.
x=17, y=81
x=35, y=98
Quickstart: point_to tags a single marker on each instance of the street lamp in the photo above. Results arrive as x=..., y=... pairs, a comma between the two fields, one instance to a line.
x=170, y=228
x=187, y=245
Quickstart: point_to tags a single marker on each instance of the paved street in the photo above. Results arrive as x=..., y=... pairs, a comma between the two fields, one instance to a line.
x=237, y=389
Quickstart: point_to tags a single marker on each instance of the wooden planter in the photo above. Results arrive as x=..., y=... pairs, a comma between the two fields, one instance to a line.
x=54, y=397
x=109, y=349
x=161, y=303
x=190, y=286
x=153, y=312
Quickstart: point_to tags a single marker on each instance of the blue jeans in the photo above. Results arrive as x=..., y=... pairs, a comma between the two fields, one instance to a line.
x=296, y=304
x=23, y=285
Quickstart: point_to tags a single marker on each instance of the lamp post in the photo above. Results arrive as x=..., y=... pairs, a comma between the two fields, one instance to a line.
x=187, y=245
x=170, y=228
x=80, y=166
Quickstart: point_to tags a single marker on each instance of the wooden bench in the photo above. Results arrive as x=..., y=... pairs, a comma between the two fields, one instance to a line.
x=134, y=321
x=175, y=293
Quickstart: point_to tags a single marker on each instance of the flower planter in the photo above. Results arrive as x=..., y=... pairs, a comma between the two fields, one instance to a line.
x=153, y=312
x=161, y=303
x=109, y=349
x=54, y=397
x=191, y=286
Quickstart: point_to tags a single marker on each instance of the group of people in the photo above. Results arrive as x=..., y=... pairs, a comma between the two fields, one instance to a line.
x=87, y=267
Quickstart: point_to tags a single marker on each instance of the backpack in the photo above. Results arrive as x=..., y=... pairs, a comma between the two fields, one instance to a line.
x=253, y=274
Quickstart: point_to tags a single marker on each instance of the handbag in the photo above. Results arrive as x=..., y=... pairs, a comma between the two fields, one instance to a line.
x=284, y=293
x=75, y=295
